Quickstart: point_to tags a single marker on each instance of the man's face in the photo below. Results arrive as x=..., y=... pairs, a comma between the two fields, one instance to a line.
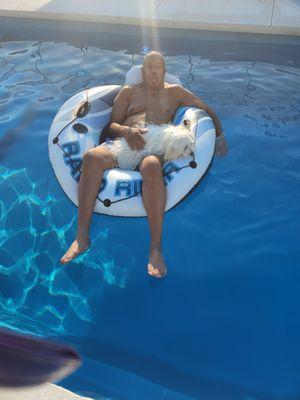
x=153, y=72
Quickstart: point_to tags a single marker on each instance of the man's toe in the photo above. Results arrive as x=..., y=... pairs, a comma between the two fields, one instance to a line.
x=150, y=270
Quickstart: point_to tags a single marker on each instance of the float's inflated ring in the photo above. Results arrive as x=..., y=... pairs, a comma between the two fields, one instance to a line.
x=77, y=127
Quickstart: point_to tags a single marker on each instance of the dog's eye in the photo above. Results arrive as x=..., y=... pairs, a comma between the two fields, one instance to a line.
x=185, y=122
x=186, y=147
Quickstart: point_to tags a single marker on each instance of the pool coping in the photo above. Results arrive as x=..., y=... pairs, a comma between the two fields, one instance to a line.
x=47, y=391
x=153, y=23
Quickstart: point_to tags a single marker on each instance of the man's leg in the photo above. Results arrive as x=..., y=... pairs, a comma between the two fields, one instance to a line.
x=154, y=199
x=94, y=163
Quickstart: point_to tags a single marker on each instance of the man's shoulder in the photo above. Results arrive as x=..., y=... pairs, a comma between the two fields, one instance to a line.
x=126, y=89
x=171, y=86
x=129, y=89
x=175, y=89
x=124, y=94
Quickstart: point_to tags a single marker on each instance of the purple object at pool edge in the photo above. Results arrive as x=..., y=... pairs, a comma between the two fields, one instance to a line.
x=26, y=360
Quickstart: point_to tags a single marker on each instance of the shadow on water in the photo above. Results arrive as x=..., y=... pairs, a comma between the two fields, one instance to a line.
x=159, y=373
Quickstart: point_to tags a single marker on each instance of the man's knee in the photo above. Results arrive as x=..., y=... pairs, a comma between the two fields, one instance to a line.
x=151, y=166
x=90, y=156
x=96, y=156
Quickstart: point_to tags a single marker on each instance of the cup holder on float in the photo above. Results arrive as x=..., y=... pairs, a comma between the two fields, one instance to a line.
x=80, y=128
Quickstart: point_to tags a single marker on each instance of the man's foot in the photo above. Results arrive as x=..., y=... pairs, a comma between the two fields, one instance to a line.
x=76, y=248
x=156, y=266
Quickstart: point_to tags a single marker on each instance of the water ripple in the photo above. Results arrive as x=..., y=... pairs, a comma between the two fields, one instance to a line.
x=231, y=246
x=31, y=237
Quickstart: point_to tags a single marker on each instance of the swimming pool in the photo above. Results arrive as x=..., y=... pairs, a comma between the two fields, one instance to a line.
x=224, y=324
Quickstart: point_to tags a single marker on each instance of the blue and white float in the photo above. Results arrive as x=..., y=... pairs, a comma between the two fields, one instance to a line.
x=71, y=136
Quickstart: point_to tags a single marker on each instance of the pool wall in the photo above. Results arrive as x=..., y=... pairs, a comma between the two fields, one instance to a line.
x=261, y=16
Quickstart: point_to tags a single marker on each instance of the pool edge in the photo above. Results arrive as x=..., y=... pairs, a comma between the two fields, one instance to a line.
x=153, y=23
x=46, y=391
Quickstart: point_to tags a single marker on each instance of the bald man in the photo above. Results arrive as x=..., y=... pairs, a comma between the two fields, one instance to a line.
x=152, y=101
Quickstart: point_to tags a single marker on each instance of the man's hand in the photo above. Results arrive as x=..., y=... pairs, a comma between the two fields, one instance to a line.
x=133, y=137
x=221, y=147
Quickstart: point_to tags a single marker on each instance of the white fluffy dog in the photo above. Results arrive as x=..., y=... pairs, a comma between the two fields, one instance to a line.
x=169, y=141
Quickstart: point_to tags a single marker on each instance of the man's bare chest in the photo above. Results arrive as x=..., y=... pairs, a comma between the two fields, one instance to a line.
x=161, y=106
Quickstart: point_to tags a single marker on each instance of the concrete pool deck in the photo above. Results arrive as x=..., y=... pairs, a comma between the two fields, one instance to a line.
x=48, y=391
x=259, y=16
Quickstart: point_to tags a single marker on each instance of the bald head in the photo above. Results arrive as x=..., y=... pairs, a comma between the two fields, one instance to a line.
x=154, y=55
x=153, y=70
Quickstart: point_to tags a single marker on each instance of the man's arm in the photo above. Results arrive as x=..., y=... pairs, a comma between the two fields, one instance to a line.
x=187, y=98
x=119, y=112
x=118, y=116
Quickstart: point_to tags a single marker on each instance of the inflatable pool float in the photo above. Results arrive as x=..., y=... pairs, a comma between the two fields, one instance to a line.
x=77, y=127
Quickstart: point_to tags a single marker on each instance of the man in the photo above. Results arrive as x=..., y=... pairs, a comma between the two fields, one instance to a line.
x=153, y=101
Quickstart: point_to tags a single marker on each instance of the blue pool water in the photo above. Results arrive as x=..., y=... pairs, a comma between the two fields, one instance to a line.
x=225, y=322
